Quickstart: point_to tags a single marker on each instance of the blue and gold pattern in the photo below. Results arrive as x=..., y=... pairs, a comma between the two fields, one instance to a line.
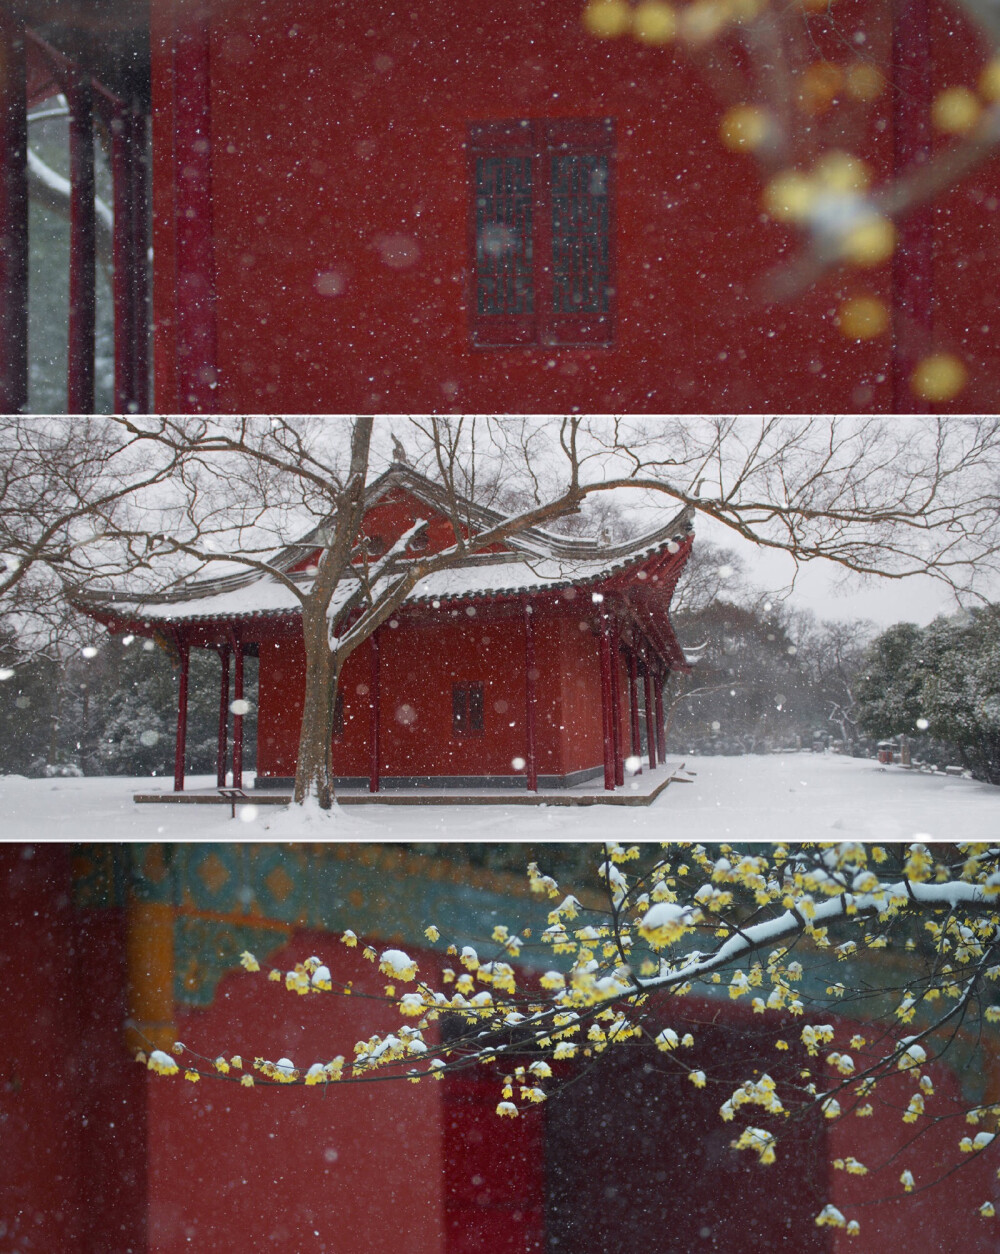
x=228, y=897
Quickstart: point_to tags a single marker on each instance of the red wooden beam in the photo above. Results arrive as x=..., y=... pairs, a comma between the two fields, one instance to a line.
x=373, y=712
x=222, y=754
x=607, y=699
x=530, y=701
x=182, y=712
x=82, y=247
x=237, y=717
x=13, y=211
x=633, y=706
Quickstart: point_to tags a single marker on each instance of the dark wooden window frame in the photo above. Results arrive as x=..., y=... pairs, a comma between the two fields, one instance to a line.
x=542, y=194
x=467, y=705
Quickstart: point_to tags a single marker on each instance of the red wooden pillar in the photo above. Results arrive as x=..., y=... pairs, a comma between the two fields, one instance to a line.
x=650, y=714
x=913, y=260
x=13, y=212
x=182, y=712
x=82, y=248
x=607, y=699
x=530, y=701
x=661, y=734
x=237, y=716
x=373, y=712
x=222, y=755
x=123, y=258
x=194, y=245
x=616, y=706
x=633, y=706
x=139, y=251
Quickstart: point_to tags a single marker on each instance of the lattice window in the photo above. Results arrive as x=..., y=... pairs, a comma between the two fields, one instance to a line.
x=467, y=709
x=541, y=230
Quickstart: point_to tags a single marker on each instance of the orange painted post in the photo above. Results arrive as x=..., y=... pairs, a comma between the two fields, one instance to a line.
x=182, y=710
x=530, y=701
x=373, y=712
x=222, y=754
x=149, y=958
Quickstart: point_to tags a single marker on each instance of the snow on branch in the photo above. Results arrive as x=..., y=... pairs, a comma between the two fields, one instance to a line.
x=845, y=1028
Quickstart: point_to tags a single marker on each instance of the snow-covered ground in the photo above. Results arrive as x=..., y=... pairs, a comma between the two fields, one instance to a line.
x=785, y=797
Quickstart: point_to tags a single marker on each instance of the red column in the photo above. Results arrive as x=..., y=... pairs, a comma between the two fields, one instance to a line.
x=222, y=755
x=633, y=705
x=607, y=699
x=182, y=714
x=661, y=734
x=194, y=246
x=238, y=718
x=616, y=707
x=123, y=260
x=913, y=260
x=373, y=712
x=82, y=248
x=139, y=280
x=650, y=715
x=13, y=212
x=530, y=700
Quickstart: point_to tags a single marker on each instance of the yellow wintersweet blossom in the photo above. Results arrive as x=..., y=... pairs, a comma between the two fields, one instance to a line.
x=162, y=1063
x=246, y=1081
x=248, y=961
x=432, y=933
x=604, y=19
x=193, y=1076
x=507, y=1110
x=654, y=22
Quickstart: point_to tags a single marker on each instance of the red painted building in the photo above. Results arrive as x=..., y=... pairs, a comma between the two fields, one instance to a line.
x=392, y=208
x=538, y=663
x=106, y=947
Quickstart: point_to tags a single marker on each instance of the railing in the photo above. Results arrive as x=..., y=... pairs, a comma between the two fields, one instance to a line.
x=31, y=71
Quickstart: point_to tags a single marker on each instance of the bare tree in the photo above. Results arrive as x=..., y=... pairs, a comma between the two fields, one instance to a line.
x=64, y=485
x=866, y=494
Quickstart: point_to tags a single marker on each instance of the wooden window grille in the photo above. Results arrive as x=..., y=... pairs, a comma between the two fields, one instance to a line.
x=467, y=709
x=541, y=232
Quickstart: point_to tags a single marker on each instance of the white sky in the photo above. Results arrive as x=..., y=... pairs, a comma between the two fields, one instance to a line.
x=825, y=589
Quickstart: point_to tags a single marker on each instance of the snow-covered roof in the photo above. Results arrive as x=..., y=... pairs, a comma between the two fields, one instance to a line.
x=536, y=560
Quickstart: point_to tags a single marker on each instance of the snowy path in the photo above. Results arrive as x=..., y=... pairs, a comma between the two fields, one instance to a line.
x=793, y=797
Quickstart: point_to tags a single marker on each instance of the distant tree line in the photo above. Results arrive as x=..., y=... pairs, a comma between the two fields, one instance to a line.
x=109, y=708
x=940, y=686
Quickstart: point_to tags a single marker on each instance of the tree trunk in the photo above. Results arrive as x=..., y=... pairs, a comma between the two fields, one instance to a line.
x=314, y=768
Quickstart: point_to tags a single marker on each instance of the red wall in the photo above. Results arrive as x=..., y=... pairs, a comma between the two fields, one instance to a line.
x=340, y=206
x=944, y=1213
x=72, y=1101
x=419, y=663
x=359, y=1168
